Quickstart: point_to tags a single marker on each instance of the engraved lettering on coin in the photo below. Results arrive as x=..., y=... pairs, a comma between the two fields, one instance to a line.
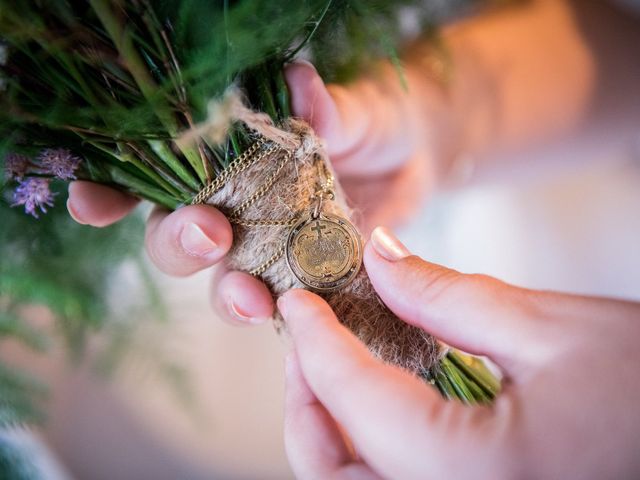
x=324, y=253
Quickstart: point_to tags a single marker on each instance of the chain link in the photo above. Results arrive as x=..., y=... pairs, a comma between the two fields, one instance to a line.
x=251, y=156
x=237, y=166
x=256, y=272
x=266, y=186
x=288, y=222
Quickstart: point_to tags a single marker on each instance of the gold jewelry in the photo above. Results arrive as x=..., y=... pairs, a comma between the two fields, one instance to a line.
x=324, y=251
x=237, y=166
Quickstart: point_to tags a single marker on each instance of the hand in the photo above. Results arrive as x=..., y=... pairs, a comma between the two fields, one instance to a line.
x=366, y=135
x=570, y=394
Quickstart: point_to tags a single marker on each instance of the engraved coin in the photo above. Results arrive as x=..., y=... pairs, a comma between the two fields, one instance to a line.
x=324, y=253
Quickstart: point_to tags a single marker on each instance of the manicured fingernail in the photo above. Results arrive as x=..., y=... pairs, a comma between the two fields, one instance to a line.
x=74, y=213
x=387, y=245
x=195, y=241
x=241, y=315
x=282, y=306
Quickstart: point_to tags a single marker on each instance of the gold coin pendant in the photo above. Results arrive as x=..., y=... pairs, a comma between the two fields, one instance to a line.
x=324, y=253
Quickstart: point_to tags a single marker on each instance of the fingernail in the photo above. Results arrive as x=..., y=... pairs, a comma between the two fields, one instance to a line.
x=195, y=242
x=302, y=61
x=282, y=306
x=73, y=213
x=239, y=314
x=387, y=245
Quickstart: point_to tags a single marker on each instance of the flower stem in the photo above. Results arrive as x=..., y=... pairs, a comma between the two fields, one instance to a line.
x=282, y=93
x=140, y=73
x=465, y=378
x=162, y=150
x=141, y=188
x=475, y=369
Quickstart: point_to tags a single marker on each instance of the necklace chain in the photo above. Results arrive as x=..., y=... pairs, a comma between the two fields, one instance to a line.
x=236, y=167
x=252, y=155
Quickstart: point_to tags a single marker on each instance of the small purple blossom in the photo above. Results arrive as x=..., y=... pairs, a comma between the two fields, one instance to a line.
x=59, y=162
x=16, y=166
x=33, y=193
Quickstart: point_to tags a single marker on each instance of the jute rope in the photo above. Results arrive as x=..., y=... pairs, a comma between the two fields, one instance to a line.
x=263, y=192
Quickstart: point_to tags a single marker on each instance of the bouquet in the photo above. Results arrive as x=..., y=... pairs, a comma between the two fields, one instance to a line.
x=185, y=103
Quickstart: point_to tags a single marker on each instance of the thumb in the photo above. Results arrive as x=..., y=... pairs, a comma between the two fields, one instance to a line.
x=475, y=313
x=325, y=108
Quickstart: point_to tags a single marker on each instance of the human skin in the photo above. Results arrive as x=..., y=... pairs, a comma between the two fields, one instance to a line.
x=520, y=77
x=570, y=395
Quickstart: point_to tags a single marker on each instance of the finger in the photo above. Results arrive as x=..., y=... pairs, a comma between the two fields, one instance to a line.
x=476, y=313
x=187, y=240
x=372, y=401
x=243, y=299
x=312, y=101
x=314, y=444
x=364, y=137
x=97, y=205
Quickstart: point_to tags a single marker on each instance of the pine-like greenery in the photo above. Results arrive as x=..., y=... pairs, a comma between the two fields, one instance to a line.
x=117, y=81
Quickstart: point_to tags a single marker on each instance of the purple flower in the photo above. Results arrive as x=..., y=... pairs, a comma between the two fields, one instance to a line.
x=59, y=162
x=33, y=193
x=16, y=165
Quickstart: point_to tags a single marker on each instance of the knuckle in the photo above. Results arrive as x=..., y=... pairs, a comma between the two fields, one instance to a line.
x=443, y=287
x=167, y=255
x=438, y=282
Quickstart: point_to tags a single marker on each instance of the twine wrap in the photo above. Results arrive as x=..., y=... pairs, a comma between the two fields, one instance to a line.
x=356, y=305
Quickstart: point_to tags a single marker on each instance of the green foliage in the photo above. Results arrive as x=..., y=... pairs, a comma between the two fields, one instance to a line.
x=21, y=397
x=53, y=261
x=15, y=463
x=64, y=266
x=466, y=378
x=56, y=263
x=115, y=82
x=360, y=42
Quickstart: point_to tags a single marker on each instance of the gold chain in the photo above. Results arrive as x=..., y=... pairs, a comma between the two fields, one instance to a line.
x=325, y=191
x=268, y=183
x=237, y=166
x=265, y=223
x=256, y=272
x=249, y=157
x=235, y=216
